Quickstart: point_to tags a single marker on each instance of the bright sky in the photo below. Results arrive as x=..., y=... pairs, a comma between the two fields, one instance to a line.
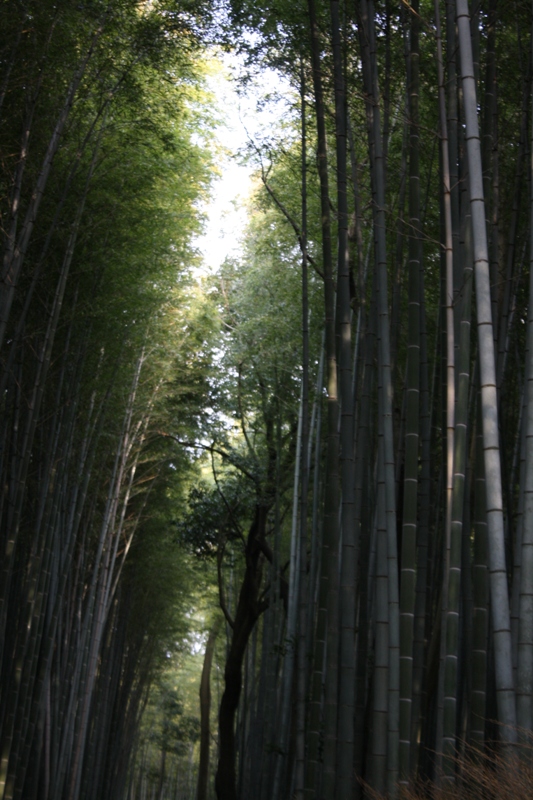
x=226, y=213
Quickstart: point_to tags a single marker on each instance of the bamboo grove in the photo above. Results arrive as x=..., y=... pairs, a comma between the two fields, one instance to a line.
x=104, y=133
x=390, y=634
x=339, y=423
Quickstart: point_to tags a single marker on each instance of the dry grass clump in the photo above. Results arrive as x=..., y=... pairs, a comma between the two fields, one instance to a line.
x=483, y=776
x=497, y=775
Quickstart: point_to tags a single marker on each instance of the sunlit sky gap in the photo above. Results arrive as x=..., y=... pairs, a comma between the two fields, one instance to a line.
x=247, y=116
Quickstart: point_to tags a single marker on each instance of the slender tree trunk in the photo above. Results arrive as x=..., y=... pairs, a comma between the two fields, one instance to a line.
x=205, y=711
x=368, y=46
x=411, y=469
x=347, y=599
x=524, y=685
x=330, y=539
x=291, y=637
x=480, y=619
x=498, y=573
x=303, y=596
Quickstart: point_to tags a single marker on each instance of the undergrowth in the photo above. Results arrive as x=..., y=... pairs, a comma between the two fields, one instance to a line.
x=493, y=775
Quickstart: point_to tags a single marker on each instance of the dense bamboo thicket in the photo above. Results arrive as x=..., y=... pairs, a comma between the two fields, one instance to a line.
x=357, y=386
x=380, y=630
x=103, y=134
